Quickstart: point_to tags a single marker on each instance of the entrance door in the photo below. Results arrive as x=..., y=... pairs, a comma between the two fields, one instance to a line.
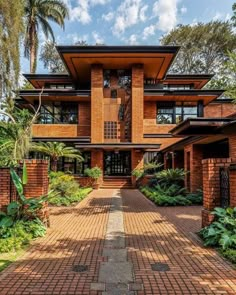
x=117, y=163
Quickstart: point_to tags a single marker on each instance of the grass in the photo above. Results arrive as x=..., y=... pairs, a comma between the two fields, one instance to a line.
x=7, y=258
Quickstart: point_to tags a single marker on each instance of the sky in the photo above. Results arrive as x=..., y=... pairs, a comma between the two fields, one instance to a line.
x=131, y=22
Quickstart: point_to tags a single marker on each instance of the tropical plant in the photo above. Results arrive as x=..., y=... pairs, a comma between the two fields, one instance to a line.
x=11, y=32
x=171, y=176
x=56, y=150
x=94, y=172
x=66, y=190
x=38, y=13
x=234, y=14
x=222, y=232
x=147, y=168
x=196, y=198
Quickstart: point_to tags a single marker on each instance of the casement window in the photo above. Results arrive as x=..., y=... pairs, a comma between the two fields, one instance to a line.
x=60, y=86
x=74, y=166
x=123, y=78
x=174, y=113
x=59, y=113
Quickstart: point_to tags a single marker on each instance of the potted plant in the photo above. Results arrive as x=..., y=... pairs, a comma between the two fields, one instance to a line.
x=94, y=173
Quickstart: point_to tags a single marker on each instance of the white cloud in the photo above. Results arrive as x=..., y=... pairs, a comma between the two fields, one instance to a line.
x=148, y=31
x=142, y=15
x=129, y=13
x=166, y=12
x=108, y=17
x=74, y=38
x=97, y=38
x=132, y=40
x=80, y=11
x=217, y=16
x=183, y=10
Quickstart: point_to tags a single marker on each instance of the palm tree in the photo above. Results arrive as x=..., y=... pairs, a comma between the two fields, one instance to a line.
x=38, y=13
x=55, y=150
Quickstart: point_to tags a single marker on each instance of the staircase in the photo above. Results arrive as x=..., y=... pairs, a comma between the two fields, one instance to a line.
x=110, y=182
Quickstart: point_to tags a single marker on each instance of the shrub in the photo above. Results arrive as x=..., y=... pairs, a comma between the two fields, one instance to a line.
x=66, y=190
x=94, y=172
x=229, y=254
x=222, y=232
x=171, y=176
x=196, y=198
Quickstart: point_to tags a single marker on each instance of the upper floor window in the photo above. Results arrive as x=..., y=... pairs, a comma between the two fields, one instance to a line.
x=177, y=86
x=60, y=86
x=174, y=113
x=116, y=78
x=59, y=113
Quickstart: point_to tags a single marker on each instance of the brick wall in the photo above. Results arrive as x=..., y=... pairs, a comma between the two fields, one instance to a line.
x=219, y=110
x=136, y=161
x=84, y=126
x=193, y=179
x=37, y=182
x=97, y=110
x=137, y=104
x=55, y=130
x=211, y=186
x=97, y=160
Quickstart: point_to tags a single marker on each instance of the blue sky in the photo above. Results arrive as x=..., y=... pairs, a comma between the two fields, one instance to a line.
x=127, y=22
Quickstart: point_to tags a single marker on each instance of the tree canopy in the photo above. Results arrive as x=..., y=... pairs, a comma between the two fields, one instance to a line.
x=11, y=32
x=204, y=47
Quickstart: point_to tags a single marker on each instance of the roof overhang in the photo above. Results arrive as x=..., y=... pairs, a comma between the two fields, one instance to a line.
x=32, y=95
x=199, y=80
x=199, y=127
x=118, y=146
x=192, y=95
x=39, y=80
x=155, y=59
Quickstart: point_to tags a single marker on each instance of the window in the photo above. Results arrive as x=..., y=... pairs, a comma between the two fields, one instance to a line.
x=59, y=113
x=74, y=166
x=59, y=86
x=123, y=78
x=167, y=114
x=177, y=86
x=110, y=130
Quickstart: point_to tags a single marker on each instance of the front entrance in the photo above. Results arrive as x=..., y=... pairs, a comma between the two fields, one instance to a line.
x=117, y=163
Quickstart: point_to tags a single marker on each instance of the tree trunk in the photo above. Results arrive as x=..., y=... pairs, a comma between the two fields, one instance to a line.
x=54, y=165
x=32, y=49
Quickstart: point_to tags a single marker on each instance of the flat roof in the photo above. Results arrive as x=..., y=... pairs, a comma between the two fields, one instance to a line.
x=199, y=126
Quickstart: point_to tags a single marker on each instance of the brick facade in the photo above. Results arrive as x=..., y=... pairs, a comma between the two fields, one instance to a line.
x=137, y=104
x=97, y=109
x=37, y=185
x=193, y=155
x=136, y=161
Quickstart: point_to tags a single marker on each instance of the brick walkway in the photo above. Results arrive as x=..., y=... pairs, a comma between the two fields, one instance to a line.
x=152, y=235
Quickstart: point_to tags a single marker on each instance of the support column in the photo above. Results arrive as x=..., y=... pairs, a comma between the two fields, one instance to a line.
x=136, y=161
x=97, y=109
x=97, y=160
x=137, y=104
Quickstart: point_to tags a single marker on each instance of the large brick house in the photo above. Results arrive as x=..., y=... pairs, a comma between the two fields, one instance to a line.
x=117, y=104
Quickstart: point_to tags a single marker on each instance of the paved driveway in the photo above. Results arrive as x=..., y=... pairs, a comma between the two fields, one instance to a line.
x=117, y=242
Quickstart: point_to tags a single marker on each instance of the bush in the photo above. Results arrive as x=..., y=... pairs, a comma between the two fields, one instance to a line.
x=171, y=176
x=94, y=172
x=166, y=196
x=20, y=234
x=196, y=198
x=66, y=190
x=229, y=254
x=222, y=232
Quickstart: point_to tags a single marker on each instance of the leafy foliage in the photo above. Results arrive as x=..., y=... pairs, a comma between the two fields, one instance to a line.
x=171, y=176
x=196, y=198
x=94, y=172
x=66, y=190
x=204, y=46
x=229, y=254
x=38, y=14
x=11, y=32
x=222, y=232
x=55, y=150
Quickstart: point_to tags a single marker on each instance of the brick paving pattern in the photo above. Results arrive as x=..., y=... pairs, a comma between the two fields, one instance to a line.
x=76, y=237
x=153, y=236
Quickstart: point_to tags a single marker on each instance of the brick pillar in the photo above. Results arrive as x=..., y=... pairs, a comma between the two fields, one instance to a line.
x=137, y=104
x=37, y=185
x=136, y=161
x=97, y=109
x=232, y=147
x=7, y=191
x=193, y=165
x=97, y=160
x=232, y=185
x=211, y=186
